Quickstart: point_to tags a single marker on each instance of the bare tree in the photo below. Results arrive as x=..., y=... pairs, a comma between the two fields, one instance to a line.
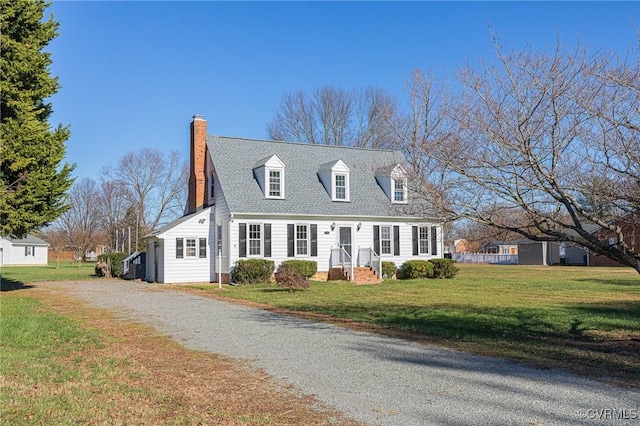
x=80, y=223
x=614, y=138
x=418, y=130
x=333, y=116
x=113, y=203
x=154, y=183
x=531, y=132
x=374, y=111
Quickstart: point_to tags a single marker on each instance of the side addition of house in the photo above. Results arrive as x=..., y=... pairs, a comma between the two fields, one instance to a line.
x=341, y=207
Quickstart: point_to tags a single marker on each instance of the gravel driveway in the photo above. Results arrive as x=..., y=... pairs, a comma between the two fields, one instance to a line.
x=374, y=379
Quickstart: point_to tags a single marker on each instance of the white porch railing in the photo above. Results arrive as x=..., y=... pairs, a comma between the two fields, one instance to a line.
x=368, y=257
x=341, y=259
x=127, y=262
x=507, y=259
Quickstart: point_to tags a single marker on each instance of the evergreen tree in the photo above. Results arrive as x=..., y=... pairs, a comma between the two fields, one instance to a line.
x=34, y=177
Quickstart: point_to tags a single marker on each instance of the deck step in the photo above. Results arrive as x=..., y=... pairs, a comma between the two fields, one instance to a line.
x=361, y=275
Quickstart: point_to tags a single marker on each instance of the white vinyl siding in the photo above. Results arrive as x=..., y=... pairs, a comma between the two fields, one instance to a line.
x=327, y=238
x=13, y=253
x=190, y=268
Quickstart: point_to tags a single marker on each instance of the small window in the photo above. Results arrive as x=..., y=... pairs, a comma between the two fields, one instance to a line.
x=399, y=191
x=29, y=251
x=191, y=247
x=423, y=239
x=341, y=187
x=385, y=240
x=275, y=183
x=179, y=248
x=202, y=248
x=302, y=240
x=212, y=185
x=255, y=239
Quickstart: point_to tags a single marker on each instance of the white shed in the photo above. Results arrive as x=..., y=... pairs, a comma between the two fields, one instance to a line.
x=29, y=250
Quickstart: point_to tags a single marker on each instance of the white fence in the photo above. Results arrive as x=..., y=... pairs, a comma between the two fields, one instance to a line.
x=505, y=259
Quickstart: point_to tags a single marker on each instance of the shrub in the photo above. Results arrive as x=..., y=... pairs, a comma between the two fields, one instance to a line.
x=388, y=269
x=306, y=268
x=412, y=269
x=252, y=271
x=444, y=268
x=290, y=278
x=115, y=260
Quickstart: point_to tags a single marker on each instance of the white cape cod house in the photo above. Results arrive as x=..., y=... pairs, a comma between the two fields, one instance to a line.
x=340, y=207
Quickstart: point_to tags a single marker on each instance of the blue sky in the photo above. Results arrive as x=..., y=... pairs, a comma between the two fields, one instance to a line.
x=134, y=73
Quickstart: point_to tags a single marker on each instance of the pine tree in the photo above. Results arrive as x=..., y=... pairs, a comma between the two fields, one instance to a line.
x=34, y=177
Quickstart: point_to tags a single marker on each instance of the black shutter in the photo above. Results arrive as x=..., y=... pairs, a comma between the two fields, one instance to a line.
x=396, y=240
x=414, y=237
x=26, y=252
x=179, y=248
x=202, y=248
x=376, y=239
x=267, y=240
x=434, y=241
x=242, y=248
x=290, y=237
x=314, y=239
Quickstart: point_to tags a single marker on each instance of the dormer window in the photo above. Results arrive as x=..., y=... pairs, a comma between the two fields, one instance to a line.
x=393, y=181
x=270, y=175
x=275, y=181
x=335, y=179
x=399, y=190
x=340, y=187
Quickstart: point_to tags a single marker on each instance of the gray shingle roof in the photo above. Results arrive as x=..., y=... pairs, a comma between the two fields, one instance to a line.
x=234, y=160
x=28, y=240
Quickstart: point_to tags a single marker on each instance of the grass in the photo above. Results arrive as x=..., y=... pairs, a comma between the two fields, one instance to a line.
x=40, y=352
x=582, y=319
x=12, y=277
x=64, y=363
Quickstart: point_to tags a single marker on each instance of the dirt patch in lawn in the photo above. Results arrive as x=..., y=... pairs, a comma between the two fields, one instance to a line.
x=170, y=384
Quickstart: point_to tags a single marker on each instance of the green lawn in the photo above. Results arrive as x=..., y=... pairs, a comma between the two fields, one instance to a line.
x=583, y=319
x=41, y=352
x=17, y=276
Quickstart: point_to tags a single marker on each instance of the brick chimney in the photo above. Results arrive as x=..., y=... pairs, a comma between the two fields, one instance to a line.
x=197, y=187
